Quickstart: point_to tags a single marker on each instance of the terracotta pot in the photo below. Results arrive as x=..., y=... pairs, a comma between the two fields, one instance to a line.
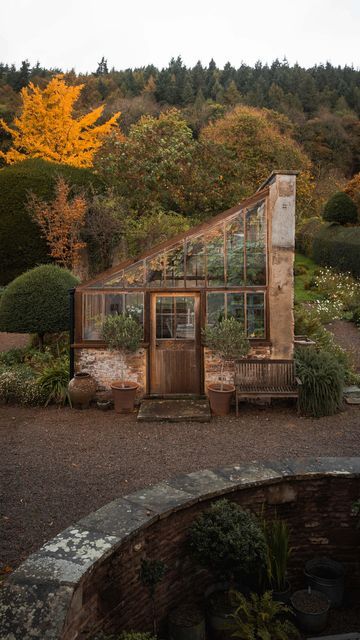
x=124, y=393
x=220, y=398
x=81, y=390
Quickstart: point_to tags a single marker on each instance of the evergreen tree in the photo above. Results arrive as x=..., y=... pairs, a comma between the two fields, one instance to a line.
x=102, y=68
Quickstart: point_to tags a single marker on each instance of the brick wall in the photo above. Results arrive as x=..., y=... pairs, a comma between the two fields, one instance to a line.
x=317, y=510
x=105, y=367
x=212, y=364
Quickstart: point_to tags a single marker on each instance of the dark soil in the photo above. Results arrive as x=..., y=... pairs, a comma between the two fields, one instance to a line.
x=310, y=602
x=57, y=465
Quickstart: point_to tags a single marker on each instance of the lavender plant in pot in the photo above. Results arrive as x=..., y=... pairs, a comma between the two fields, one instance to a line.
x=229, y=342
x=123, y=334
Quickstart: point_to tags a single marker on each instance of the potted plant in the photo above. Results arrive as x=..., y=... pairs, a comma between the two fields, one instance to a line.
x=277, y=555
x=259, y=617
x=229, y=542
x=123, y=334
x=151, y=573
x=229, y=342
x=311, y=609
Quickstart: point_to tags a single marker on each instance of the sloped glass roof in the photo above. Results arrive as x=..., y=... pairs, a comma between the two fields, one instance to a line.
x=231, y=252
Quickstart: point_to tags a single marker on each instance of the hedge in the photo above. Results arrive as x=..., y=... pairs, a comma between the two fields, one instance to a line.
x=38, y=301
x=21, y=245
x=305, y=235
x=338, y=247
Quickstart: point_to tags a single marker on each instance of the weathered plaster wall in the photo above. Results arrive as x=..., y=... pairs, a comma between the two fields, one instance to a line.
x=281, y=261
x=105, y=367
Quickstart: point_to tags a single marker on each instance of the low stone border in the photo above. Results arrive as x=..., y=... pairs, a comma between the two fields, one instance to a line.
x=36, y=599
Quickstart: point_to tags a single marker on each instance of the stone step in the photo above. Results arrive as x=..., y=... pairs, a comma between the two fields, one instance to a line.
x=174, y=410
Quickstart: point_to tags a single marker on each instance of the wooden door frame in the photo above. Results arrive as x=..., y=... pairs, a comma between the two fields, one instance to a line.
x=199, y=311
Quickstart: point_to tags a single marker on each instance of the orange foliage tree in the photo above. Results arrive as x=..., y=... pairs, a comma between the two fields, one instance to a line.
x=47, y=128
x=353, y=189
x=61, y=222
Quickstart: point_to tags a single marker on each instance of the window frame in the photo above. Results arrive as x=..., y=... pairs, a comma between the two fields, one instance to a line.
x=245, y=292
x=103, y=293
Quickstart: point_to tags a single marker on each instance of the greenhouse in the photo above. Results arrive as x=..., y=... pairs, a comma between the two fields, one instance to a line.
x=237, y=264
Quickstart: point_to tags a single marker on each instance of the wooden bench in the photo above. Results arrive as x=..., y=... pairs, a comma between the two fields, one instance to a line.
x=265, y=379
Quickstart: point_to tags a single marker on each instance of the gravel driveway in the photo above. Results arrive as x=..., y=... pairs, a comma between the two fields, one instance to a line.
x=59, y=464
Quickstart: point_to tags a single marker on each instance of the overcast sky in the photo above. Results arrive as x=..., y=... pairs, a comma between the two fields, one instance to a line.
x=131, y=33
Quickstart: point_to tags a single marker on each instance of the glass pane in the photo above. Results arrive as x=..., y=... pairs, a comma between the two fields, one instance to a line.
x=214, y=242
x=155, y=271
x=255, y=245
x=93, y=316
x=134, y=275
x=255, y=303
x=195, y=262
x=235, y=307
x=117, y=280
x=134, y=306
x=114, y=304
x=185, y=318
x=165, y=317
x=174, y=267
x=235, y=251
x=215, y=307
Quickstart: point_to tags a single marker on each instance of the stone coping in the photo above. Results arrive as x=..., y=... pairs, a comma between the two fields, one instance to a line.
x=35, y=599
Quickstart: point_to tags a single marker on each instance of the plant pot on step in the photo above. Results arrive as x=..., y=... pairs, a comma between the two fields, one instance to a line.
x=124, y=393
x=327, y=576
x=311, y=609
x=187, y=622
x=220, y=398
x=81, y=389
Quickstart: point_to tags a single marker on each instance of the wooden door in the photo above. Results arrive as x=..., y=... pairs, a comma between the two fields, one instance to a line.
x=175, y=343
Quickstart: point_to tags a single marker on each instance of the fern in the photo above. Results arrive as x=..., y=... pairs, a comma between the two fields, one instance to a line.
x=258, y=618
x=54, y=382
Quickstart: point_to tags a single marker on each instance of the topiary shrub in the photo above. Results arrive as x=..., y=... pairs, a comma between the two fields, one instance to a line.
x=322, y=380
x=37, y=301
x=21, y=245
x=338, y=247
x=340, y=208
x=229, y=542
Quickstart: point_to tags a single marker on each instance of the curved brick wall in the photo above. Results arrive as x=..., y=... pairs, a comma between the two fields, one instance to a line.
x=88, y=574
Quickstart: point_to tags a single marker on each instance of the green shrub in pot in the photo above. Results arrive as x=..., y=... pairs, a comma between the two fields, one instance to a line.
x=228, y=341
x=229, y=542
x=124, y=334
x=277, y=555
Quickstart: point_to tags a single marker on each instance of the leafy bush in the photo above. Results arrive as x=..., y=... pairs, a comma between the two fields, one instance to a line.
x=305, y=235
x=37, y=301
x=340, y=208
x=337, y=287
x=54, y=382
x=18, y=385
x=122, y=333
x=356, y=316
x=21, y=245
x=260, y=618
x=322, y=380
x=228, y=541
x=307, y=322
x=12, y=357
x=338, y=247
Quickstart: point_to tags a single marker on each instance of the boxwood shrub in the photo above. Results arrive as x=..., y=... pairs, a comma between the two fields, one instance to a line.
x=37, y=301
x=305, y=235
x=339, y=247
x=21, y=245
x=340, y=208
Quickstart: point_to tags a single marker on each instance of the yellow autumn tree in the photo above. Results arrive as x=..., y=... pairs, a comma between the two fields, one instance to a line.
x=47, y=128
